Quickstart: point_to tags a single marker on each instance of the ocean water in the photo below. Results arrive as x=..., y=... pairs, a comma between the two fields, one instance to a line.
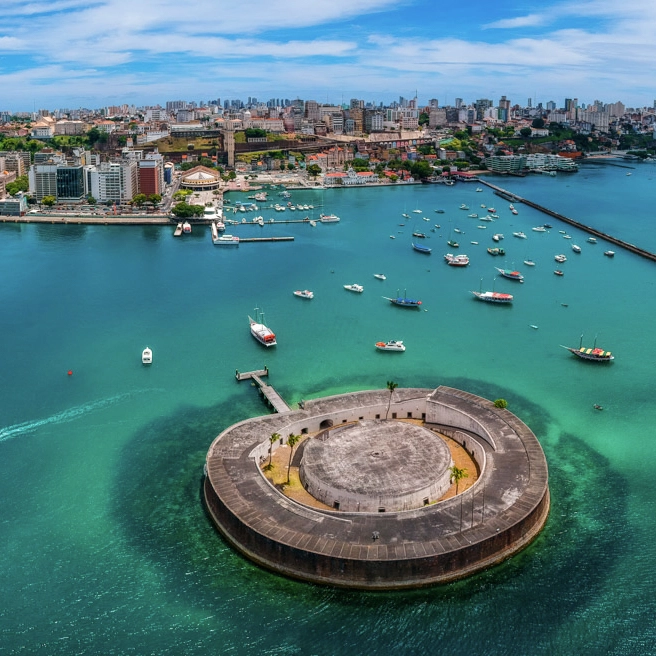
x=105, y=545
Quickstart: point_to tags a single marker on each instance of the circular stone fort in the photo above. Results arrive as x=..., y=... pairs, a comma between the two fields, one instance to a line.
x=377, y=468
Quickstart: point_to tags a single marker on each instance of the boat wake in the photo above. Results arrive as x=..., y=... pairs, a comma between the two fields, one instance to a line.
x=62, y=417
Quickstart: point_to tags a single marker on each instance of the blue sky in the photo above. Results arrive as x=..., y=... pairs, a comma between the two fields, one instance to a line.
x=91, y=53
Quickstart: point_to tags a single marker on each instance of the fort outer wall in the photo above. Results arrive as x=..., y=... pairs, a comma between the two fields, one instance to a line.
x=503, y=511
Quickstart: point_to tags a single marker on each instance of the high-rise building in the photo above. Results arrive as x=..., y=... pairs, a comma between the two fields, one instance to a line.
x=504, y=109
x=151, y=174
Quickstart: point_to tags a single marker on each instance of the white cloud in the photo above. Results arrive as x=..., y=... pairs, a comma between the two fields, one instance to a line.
x=531, y=20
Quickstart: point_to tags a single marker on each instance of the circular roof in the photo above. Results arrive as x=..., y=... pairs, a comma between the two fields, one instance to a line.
x=374, y=458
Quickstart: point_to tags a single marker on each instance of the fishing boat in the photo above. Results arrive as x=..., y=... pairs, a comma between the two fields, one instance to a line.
x=453, y=243
x=392, y=345
x=496, y=251
x=560, y=258
x=558, y=272
x=576, y=249
x=329, y=218
x=456, y=260
x=305, y=293
x=380, y=276
x=354, y=288
x=609, y=253
x=511, y=274
x=262, y=334
x=147, y=356
x=519, y=235
x=493, y=297
x=403, y=301
x=593, y=354
x=422, y=249
x=491, y=210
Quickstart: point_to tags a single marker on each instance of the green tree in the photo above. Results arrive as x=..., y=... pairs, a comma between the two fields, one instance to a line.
x=21, y=183
x=391, y=386
x=538, y=123
x=291, y=166
x=457, y=474
x=526, y=132
x=184, y=211
x=93, y=135
x=272, y=440
x=292, y=441
x=423, y=118
x=421, y=170
x=359, y=164
x=48, y=201
x=232, y=175
x=91, y=200
x=139, y=200
x=314, y=170
x=155, y=199
x=254, y=133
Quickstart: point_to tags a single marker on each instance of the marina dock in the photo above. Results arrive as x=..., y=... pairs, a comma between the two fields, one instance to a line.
x=514, y=198
x=268, y=392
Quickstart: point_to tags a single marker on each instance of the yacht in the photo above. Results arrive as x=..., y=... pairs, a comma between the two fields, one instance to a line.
x=392, y=345
x=521, y=235
x=147, y=356
x=576, y=248
x=305, y=293
x=354, y=288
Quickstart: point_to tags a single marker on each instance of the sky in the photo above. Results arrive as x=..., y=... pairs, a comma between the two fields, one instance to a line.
x=93, y=53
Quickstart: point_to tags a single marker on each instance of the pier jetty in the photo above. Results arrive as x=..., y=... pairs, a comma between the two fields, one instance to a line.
x=268, y=392
x=514, y=198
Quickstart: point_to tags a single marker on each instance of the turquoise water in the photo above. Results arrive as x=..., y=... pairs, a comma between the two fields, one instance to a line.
x=105, y=546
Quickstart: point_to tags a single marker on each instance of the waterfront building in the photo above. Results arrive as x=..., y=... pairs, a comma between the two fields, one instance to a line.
x=201, y=178
x=151, y=174
x=14, y=205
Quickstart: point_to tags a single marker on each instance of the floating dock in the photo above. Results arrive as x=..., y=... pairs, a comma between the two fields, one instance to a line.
x=249, y=239
x=268, y=392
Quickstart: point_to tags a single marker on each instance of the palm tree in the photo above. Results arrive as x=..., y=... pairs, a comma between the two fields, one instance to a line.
x=457, y=474
x=274, y=438
x=292, y=440
x=391, y=386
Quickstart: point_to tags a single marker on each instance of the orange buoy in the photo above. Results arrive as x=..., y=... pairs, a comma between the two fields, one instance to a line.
x=70, y=372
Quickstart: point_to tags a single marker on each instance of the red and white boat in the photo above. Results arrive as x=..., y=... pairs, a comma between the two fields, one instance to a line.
x=262, y=334
x=493, y=297
x=456, y=260
x=392, y=345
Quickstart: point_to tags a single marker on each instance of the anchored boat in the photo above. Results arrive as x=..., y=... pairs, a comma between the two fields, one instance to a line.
x=593, y=354
x=262, y=333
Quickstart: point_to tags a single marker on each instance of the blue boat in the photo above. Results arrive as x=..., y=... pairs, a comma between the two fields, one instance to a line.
x=422, y=249
x=403, y=301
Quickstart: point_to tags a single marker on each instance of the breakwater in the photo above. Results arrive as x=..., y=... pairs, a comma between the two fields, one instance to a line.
x=508, y=195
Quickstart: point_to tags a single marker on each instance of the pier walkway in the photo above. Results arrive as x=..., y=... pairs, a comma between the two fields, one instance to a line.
x=267, y=391
x=514, y=198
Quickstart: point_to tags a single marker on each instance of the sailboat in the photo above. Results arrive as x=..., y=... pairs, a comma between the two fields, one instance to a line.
x=452, y=242
x=492, y=297
x=593, y=354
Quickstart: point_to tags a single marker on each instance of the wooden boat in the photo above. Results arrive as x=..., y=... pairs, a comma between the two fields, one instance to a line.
x=493, y=297
x=511, y=274
x=593, y=354
x=422, y=249
x=404, y=301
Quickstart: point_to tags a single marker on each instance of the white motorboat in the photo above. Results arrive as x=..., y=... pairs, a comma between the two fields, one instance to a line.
x=464, y=207
x=592, y=240
x=521, y=235
x=417, y=211
x=576, y=249
x=147, y=356
x=380, y=276
x=478, y=189
x=539, y=229
x=305, y=293
x=186, y=227
x=392, y=345
x=262, y=333
x=328, y=218
x=473, y=215
x=529, y=262
x=567, y=236
x=226, y=240
x=560, y=258
x=354, y=288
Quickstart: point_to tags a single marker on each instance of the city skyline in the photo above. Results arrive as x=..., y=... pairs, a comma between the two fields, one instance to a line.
x=72, y=54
